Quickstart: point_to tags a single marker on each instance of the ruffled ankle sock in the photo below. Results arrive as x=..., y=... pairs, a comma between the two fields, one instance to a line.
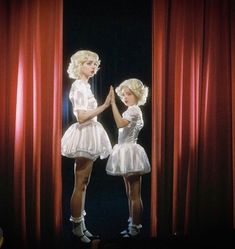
x=133, y=230
x=85, y=231
x=126, y=230
x=78, y=229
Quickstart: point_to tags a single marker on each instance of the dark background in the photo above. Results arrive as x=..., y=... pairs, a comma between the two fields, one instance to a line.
x=120, y=32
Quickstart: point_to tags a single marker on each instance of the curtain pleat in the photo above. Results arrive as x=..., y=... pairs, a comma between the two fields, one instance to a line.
x=30, y=131
x=193, y=116
x=232, y=49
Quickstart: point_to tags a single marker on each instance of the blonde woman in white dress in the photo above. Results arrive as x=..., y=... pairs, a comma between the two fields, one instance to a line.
x=129, y=159
x=85, y=140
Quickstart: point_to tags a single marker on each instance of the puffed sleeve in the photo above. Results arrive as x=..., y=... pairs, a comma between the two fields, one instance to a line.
x=79, y=98
x=132, y=114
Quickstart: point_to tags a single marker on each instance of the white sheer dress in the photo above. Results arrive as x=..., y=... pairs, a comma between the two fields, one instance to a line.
x=88, y=139
x=128, y=157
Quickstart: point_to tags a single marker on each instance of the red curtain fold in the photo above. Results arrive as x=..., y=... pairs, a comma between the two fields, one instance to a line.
x=30, y=130
x=232, y=30
x=193, y=116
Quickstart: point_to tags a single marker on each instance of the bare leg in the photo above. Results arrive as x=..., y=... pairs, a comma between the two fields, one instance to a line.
x=134, y=185
x=82, y=173
x=129, y=206
x=128, y=198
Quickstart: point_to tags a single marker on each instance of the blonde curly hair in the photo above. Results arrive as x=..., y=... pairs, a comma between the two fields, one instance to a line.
x=78, y=59
x=137, y=87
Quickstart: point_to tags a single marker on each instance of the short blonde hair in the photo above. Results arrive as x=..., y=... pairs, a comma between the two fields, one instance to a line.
x=137, y=87
x=78, y=59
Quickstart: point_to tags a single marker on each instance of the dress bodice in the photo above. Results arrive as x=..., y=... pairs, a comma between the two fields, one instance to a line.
x=129, y=133
x=82, y=97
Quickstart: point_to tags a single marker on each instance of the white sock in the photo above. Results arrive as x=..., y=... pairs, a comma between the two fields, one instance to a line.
x=126, y=230
x=133, y=230
x=86, y=232
x=129, y=220
x=78, y=229
x=84, y=229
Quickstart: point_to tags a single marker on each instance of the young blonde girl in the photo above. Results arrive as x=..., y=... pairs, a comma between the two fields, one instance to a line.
x=85, y=140
x=129, y=159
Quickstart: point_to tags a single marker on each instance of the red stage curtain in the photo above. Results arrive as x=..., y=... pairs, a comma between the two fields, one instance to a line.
x=193, y=123
x=30, y=126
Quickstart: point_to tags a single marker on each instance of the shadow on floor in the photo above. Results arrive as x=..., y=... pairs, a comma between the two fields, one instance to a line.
x=209, y=241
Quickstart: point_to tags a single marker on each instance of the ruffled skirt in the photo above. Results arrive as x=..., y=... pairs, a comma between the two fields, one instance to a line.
x=88, y=140
x=128, y=159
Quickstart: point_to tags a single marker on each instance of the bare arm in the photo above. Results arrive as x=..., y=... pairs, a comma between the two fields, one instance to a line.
x=83, y=116
x=120, y=121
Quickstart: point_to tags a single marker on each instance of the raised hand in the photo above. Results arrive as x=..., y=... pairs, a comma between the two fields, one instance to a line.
x=108, y=99
x=112, y=94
